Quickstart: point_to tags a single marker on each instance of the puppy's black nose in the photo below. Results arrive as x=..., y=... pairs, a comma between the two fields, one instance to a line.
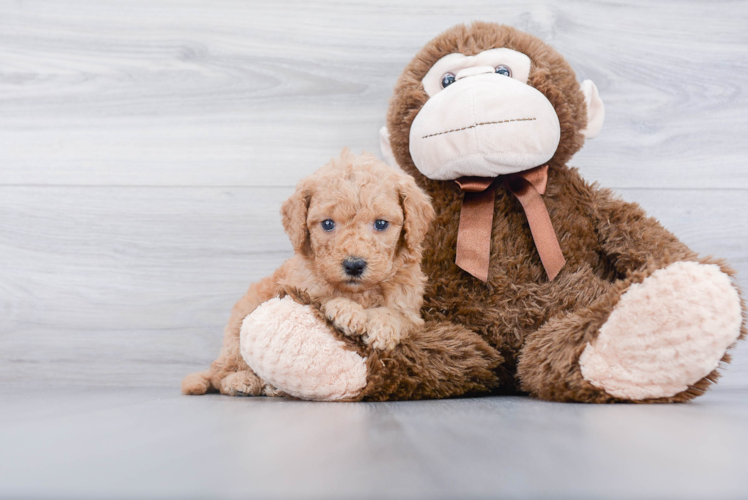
x=354, y=266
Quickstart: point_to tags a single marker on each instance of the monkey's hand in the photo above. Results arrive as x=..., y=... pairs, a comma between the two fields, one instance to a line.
x=347, y=316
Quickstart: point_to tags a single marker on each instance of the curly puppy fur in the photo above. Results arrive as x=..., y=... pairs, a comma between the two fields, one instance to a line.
x=539, y=327
x=381, y=307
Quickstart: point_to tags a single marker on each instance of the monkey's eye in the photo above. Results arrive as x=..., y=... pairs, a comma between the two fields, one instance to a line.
x=447, y=80
x=381, y=225
x=503, y=70
x=328, y=225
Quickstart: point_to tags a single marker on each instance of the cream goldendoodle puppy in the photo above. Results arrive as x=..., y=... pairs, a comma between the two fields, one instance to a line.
x=356, y=226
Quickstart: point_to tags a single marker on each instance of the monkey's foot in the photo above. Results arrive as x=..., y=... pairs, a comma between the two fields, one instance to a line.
x=665, y=334
x=289, y=347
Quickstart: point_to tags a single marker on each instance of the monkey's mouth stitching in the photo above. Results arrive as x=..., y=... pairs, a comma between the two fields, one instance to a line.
x=477, y=125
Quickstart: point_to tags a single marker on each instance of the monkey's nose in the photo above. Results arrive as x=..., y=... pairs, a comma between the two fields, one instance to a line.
x=354, y=266
x=475, y=70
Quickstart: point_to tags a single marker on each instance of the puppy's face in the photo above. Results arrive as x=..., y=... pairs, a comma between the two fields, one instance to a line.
x=354, y=231
x=358, y=220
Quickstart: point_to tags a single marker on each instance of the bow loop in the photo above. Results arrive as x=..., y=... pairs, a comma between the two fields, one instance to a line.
x=472, y=184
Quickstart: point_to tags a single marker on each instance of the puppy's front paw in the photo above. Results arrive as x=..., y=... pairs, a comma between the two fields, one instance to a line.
x=382, y=333
x=346, y=315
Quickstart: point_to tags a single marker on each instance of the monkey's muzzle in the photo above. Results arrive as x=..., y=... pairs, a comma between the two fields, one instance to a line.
x=484, y=125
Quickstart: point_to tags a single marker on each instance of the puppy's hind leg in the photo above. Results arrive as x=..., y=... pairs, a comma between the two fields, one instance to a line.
x=238, y=383
x=197, y=383
x=242, y=383
x=229, y=374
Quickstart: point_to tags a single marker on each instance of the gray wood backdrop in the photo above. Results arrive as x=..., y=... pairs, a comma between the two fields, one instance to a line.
x=146, y=147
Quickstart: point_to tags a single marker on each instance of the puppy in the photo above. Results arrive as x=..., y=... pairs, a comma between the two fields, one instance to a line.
x=356, y=226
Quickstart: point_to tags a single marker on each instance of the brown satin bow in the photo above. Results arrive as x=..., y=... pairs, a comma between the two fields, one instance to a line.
x=476, y=219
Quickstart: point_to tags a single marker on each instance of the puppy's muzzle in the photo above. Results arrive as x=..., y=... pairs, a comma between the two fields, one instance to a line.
x=354, y=266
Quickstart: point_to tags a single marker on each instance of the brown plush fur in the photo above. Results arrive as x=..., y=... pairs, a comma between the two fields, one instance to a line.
x=382, y=306
x=538, y=328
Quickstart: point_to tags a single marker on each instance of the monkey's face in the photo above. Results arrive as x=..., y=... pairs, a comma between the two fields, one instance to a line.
x=482, y=118
x=488, y=100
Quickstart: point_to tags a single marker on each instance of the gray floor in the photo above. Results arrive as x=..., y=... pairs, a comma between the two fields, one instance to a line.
x=153, y=443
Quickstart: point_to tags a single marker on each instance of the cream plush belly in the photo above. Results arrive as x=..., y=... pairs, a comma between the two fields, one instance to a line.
x=290, y=348
x=665, y=333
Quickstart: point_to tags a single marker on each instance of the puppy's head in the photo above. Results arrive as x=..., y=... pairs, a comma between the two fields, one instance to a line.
x=357, y=220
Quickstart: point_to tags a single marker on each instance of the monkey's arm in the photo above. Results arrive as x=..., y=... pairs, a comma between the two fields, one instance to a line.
x=631, y=240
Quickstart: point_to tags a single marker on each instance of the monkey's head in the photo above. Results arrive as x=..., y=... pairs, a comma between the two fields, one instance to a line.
x=488, y=100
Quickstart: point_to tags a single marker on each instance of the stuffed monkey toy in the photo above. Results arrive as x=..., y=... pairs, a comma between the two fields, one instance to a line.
x=538, y=282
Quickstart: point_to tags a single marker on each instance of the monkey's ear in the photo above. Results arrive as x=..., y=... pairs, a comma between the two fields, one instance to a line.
x=595, y=109
x=417, y=216
x=294, y=212
x=387, y=154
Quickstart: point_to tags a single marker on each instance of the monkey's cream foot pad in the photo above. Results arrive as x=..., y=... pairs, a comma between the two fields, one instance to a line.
x=289, y=347
x=665, y=333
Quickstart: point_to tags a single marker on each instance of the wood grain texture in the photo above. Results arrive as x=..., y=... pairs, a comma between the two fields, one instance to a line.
x=260, y=93
x=146, y=146
x=133, y=285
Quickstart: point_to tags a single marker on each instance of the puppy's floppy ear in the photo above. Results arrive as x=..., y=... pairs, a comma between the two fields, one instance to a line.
x=294, y=212
x=417, y=213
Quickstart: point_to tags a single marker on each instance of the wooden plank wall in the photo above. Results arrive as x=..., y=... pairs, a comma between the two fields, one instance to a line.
x=146, y=146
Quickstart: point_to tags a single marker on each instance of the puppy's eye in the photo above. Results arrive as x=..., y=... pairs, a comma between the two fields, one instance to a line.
x=447, y=80
x=381, y=225
x=503, y=70
x=328, y=224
